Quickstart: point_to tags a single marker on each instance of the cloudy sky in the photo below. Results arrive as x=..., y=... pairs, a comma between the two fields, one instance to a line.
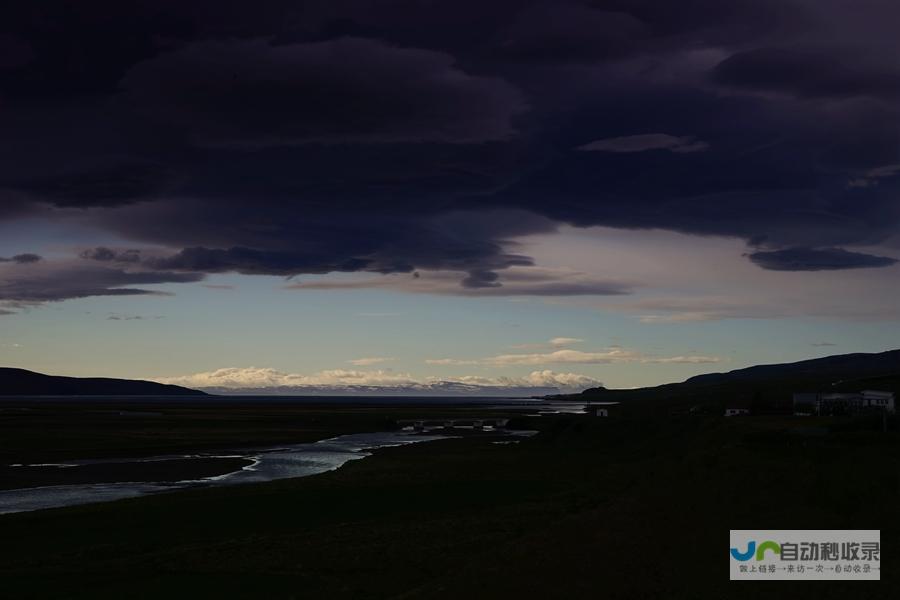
x=401, y=193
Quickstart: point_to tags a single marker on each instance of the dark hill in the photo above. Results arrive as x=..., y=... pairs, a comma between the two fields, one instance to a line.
x=764, y=387
x=19, y=382
x=831, y=369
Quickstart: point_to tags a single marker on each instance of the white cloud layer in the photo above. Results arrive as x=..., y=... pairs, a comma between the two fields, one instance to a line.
x=369, y=361
x=565, y=341
x=569, y=356
x=255, y=378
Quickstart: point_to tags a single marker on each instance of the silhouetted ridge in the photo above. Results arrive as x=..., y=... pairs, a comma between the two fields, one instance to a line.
x=834, y=368
x=19, y=382
x=767, y=387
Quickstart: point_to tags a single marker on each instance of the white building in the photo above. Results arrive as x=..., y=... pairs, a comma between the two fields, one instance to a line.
x=878, y=399
x=843, y=403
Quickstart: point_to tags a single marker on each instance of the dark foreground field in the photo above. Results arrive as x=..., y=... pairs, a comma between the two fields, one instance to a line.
x=590, y=508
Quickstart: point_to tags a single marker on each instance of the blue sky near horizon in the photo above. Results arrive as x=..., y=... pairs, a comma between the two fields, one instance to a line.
x=253, y=321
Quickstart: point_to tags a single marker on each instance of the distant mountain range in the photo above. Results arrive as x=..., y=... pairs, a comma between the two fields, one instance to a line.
x=19, y=382
x=765, y=385
x=435, y=389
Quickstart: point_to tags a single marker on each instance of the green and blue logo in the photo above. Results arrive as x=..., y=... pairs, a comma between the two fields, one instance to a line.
x=752, y=550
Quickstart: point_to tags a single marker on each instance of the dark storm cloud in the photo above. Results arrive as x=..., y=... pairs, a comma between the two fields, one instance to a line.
x=111, y=185
x=818, y=259
x=602, y=30
x=14, y=52
x=22, y=259
x=311, y=241
x=250, y=261
x=646, y=141
x=775, y=175
x=287, y=138
x=252, y=94
x=571, y=32
x=825, y=71
x=555, y=30
x=53, y=281
x=480, y=278
x=104, y=254
x=76, y=49
x=13, y=204
x=533, y=281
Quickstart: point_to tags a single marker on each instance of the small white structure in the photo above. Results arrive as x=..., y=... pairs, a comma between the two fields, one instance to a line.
x=843, y=403
x=878, y=399
x=736, y=412
x=595, y=410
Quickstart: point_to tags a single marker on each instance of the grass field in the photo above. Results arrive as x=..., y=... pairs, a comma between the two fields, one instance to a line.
x=589, y=508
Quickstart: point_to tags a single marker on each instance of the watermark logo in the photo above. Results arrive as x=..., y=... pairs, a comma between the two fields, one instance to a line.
x=752, y=551
x=805, y=554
